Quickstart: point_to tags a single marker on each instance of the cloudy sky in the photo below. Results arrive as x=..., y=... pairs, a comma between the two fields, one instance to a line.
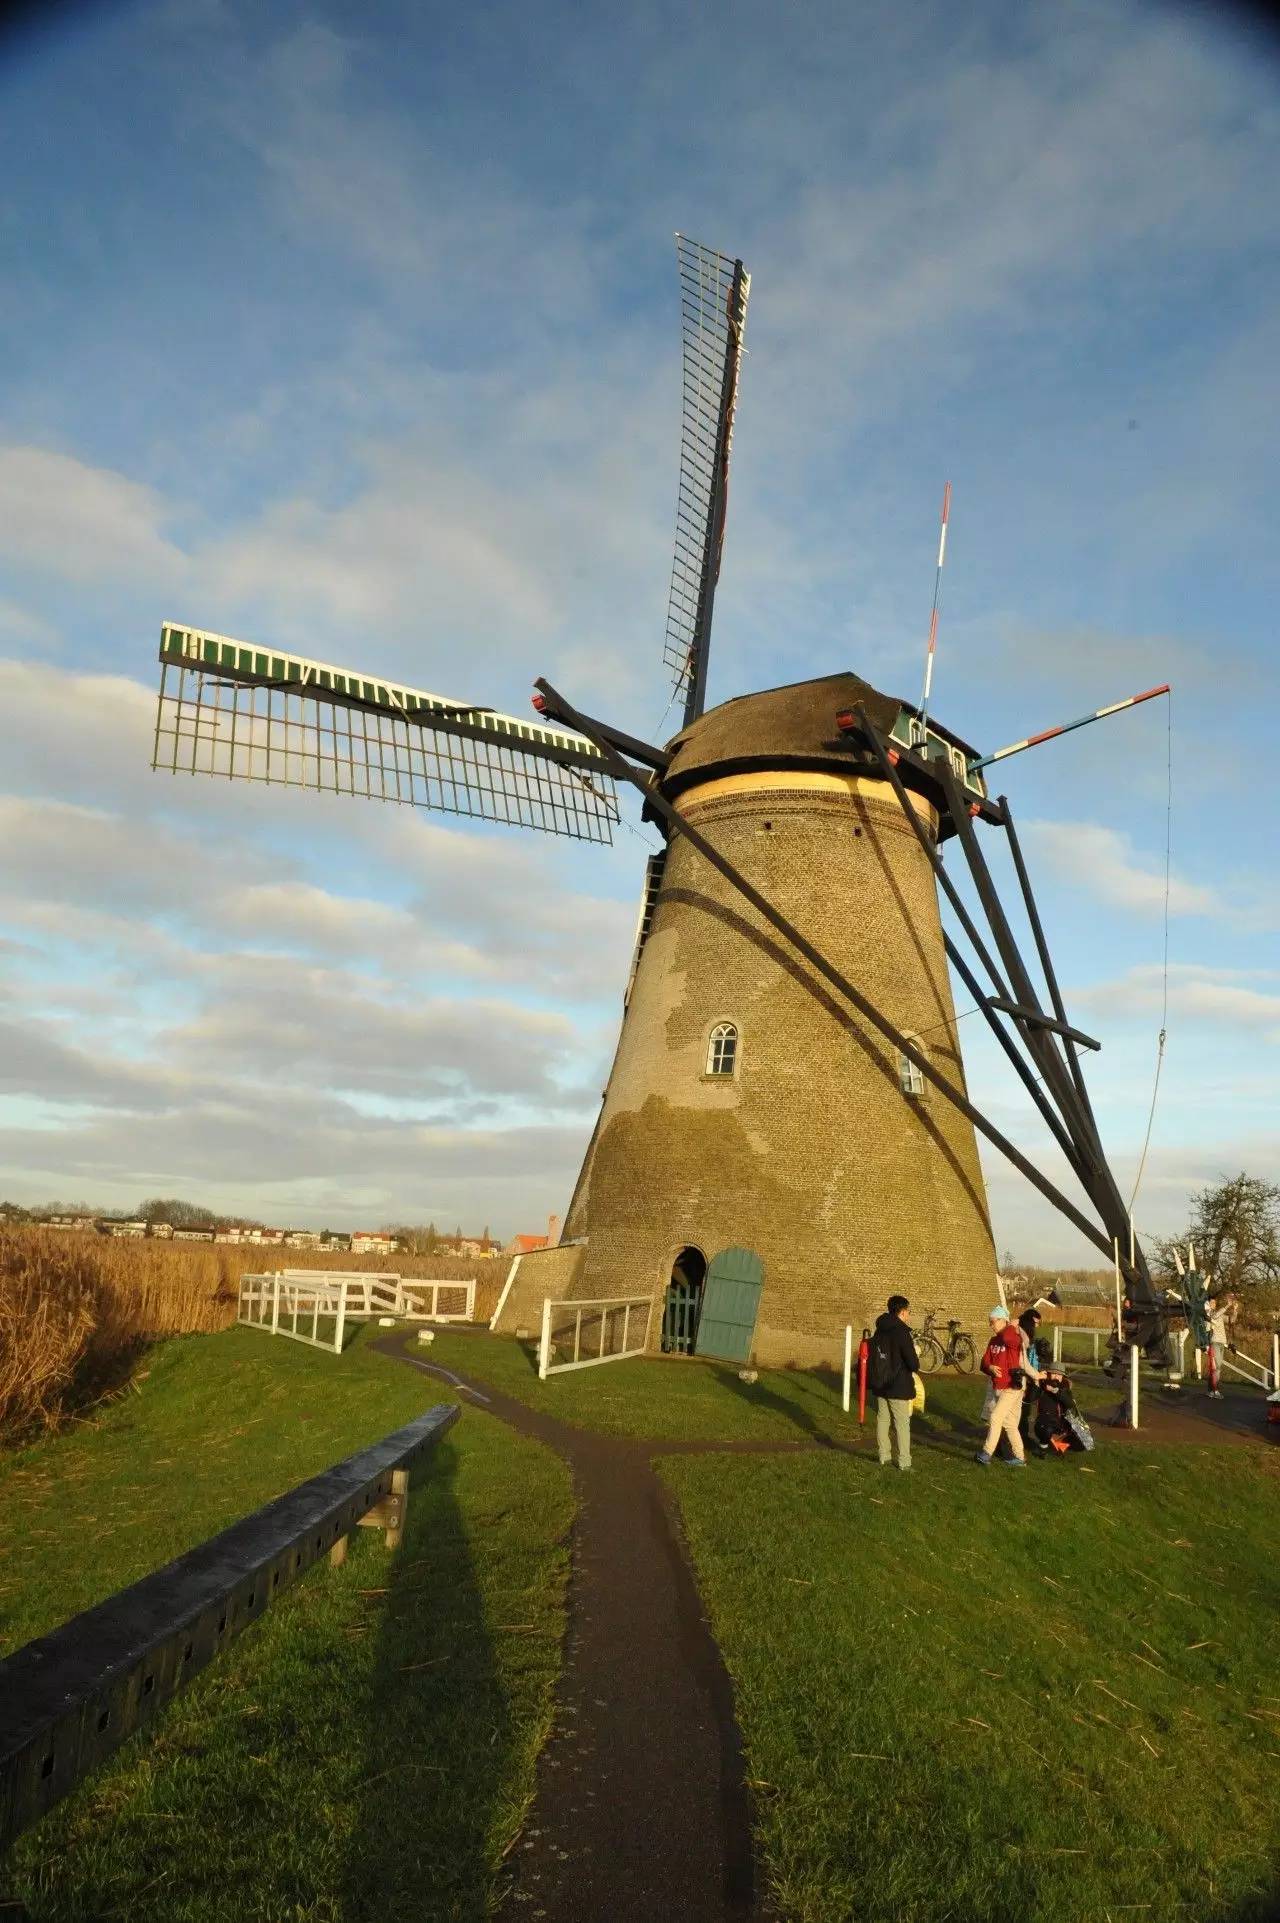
x=355, y=330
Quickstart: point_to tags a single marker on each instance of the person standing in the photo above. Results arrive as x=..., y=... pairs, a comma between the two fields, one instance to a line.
x=894, y=1363
x=1216, y=1314
x=1006, y=1366
x=1035, y=1353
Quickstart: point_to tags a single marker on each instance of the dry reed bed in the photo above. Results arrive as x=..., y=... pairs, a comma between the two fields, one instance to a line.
x=76, y=1310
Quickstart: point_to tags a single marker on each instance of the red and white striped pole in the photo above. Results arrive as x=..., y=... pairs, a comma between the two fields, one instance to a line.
x=1099, y=714
x=933, y=613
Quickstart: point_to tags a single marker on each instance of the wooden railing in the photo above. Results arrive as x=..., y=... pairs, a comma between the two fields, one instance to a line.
x=580, y=1334
x=315, y=1305
x=69, y=1699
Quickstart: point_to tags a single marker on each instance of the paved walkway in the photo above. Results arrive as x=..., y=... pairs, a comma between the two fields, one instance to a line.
x=641, y=1810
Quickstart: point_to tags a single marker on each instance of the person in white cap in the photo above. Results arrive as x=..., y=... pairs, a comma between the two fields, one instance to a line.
x=1005, y=1364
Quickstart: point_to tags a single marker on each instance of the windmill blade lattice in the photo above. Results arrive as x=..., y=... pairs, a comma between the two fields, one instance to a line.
x=713, y=313
x=231, y=710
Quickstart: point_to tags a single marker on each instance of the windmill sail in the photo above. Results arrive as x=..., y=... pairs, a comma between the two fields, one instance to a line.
x=230, y=709
x=713, y=310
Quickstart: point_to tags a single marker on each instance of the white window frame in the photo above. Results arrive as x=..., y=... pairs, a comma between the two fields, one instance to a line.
x=910, y=1080
x=721, y=1029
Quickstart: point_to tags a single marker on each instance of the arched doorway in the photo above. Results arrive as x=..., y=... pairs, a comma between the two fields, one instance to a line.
x=683, y=1304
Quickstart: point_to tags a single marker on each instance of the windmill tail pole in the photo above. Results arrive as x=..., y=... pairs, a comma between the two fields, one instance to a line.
x=1048, y=734
x=933, y=612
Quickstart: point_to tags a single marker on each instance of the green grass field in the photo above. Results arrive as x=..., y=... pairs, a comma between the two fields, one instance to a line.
x=970, y=1696
x=661, y=1399
x=966, y=1696
x=367, y=1750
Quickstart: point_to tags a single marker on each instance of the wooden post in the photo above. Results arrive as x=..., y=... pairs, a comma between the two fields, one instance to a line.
x=544, y=1346
x=399, y=1487
x=275, y=1303
x=338, y=1554
x=626, y=1324
x=1057, y=1344
x=577, y=1334
x=847, y=1382
x=342, y=1318
x=1133, y=1385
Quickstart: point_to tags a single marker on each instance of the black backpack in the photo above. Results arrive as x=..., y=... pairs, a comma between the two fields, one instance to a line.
x=880, y=1366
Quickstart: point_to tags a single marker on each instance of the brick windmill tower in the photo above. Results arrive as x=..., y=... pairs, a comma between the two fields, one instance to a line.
x=786, y=1134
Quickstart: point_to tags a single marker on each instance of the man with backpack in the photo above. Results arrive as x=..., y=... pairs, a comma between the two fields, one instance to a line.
x=890, y=1368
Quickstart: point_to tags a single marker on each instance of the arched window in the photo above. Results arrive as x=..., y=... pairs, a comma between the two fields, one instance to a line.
x=910, y=1080
x=722, y=1049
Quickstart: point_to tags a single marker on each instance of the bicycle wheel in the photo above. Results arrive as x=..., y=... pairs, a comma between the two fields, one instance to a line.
x=930, y=1354
x=963, y=1354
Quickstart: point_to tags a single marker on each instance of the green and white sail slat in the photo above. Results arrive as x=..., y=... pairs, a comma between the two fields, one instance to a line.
x=231, y=709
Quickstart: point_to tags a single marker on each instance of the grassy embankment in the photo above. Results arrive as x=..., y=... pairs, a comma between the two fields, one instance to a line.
x=969, y=1695
x=78, y=1310
x=367, y=1749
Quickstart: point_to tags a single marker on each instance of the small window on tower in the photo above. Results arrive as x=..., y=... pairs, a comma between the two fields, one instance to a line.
x=722, y=1049
x=909, y=1077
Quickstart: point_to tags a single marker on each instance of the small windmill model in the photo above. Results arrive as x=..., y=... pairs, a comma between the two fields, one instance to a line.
x=787, y=1090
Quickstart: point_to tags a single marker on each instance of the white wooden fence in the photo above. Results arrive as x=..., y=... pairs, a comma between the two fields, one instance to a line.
x=614, y=1327
x=315, y=1305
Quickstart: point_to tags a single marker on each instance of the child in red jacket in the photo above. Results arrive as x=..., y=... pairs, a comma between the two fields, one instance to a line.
x=1006, y=1362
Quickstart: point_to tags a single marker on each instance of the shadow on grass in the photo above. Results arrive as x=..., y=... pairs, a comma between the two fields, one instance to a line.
x=758, y=1395
x=436, y=1729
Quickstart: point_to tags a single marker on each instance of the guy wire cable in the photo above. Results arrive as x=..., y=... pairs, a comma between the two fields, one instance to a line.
x=1164, y=985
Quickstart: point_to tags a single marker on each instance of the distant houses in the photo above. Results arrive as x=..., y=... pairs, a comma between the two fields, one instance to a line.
x=366, y=1242
x=526, y=1244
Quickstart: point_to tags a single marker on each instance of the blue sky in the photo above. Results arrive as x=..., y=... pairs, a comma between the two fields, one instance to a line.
x=355, y=330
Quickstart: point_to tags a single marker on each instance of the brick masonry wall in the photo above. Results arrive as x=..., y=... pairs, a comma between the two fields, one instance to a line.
x=811, y=1154
x=545, y=1272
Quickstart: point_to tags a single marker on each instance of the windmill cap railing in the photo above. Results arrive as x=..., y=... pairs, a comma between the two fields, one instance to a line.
x=69, y=1699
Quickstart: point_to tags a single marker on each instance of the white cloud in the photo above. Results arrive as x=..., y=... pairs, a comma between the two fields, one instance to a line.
x=1198, y=994
x=81, y=523
x=1102, y=862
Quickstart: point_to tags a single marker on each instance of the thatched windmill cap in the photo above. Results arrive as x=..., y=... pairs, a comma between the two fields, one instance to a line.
x=792, y=727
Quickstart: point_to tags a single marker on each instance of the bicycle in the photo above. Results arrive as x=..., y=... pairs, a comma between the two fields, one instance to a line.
x=959, y=1351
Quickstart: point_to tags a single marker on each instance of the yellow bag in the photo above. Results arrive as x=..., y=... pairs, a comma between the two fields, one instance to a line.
x=918, y=1404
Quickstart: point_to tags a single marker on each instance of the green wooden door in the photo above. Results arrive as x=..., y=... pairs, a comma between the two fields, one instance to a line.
x=730, y=1299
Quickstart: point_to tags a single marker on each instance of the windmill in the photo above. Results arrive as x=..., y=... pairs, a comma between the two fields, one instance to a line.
x=786, y=1133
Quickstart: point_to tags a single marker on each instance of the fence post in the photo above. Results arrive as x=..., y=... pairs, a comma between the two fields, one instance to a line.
x=848, y=1367
x=1133, y=1385
x=1199, y=1365
x=1057, y=1344
x=544, y=1346
x=577, y=1334
x=275, y=1303
x=1275, y=1361
x=399, y=1487
x=342, y=1318
x=626, y=1324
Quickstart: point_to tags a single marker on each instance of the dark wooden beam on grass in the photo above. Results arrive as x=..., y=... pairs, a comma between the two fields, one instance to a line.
x=68, y=1700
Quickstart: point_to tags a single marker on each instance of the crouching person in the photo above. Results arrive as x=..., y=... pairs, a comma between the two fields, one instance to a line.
x=892, y=1365
x=1006, y=1367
